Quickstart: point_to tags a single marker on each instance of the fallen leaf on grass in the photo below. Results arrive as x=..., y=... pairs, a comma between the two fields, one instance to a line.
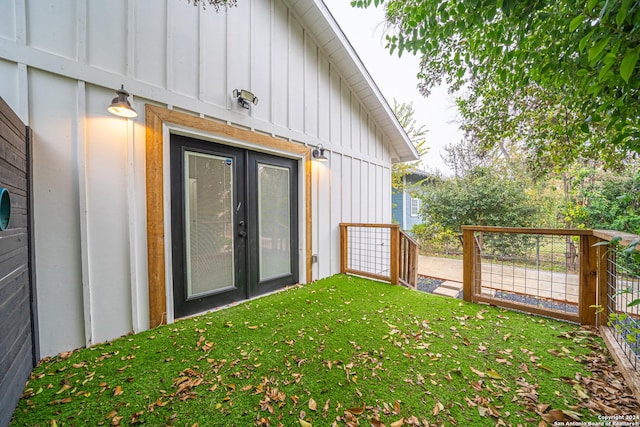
x=357, y=410
x=312, y=404
x=553, y=416
x=325, y=409
x=63, y=389
x=118, y=391
x=436, y=409
x=475, y=371
x=304, y=423
x=493, y=374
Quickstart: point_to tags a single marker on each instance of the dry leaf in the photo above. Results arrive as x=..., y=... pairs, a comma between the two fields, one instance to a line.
x=63, y=389
x=312, y=404
x=325, y=409
x=437, y=408
x=398, y=423
x=304, y=423
x=493, y=374
x=571, y=414
x=475, y=371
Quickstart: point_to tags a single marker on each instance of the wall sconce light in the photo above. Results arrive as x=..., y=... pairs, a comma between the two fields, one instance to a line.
x=318, y=154
x=245, y=97
x=120, y=105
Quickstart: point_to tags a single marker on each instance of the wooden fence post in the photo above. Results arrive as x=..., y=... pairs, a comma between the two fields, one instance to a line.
x=394, y=231
x=413, y=266
x=344, y=248
x=588, y=281
x=469, y=268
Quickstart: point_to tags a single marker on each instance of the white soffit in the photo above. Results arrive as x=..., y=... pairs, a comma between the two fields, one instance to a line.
x=317, y=19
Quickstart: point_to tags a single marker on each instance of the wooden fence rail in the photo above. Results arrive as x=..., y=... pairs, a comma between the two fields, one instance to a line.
x=379, y=251
x=606, y=282
x=565, y=294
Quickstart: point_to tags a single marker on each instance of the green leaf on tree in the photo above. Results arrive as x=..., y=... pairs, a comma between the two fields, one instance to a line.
x=575, y=22
x=628, y=64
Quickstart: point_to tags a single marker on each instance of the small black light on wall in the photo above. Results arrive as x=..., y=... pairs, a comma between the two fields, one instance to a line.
x=245, y=98
x=318, y=154
x=120, y=105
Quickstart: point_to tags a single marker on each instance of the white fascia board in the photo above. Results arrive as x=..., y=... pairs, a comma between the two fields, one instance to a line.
x=335, y=43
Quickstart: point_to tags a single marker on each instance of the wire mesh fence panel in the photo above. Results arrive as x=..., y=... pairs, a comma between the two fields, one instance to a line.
x=535, y=270
x=369, y=250
x=623, y=290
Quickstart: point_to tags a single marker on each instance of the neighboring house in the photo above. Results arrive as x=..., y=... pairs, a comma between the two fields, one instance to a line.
x=407, y=202
x=196, y=202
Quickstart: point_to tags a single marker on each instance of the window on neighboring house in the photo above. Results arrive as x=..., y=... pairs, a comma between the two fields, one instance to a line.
x=415, y=206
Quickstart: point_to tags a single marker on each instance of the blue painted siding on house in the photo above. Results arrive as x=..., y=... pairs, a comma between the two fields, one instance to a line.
x=397, y=203
x=401, y=201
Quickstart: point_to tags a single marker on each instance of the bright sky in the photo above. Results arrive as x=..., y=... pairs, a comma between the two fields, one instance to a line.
x=396, y=77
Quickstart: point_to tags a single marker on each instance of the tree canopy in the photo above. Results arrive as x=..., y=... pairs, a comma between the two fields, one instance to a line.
x=561, y=75
x=405, y=114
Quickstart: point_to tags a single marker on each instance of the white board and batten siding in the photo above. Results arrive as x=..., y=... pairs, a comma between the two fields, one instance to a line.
x=60, y=62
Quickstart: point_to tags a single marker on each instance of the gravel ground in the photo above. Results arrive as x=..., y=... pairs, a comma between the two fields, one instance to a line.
x=428, y=284
x=531, y=300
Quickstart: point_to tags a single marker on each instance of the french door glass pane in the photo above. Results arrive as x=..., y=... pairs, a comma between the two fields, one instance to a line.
x=274, y=221
x=209, y=223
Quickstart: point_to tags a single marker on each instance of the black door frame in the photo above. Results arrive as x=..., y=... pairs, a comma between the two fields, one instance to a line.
x=255, y=286
x=245, y=224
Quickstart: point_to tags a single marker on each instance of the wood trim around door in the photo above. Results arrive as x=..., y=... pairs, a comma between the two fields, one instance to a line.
x=155, y=118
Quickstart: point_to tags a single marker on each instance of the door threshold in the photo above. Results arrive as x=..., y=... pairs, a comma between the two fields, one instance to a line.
x=235, y=303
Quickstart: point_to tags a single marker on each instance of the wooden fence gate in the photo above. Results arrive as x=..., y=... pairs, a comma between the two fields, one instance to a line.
x=18, y=323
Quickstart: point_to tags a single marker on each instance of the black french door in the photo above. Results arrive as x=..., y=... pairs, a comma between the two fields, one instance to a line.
x=234, y=224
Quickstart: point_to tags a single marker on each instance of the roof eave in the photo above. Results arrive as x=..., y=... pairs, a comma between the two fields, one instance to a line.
x=402, y=148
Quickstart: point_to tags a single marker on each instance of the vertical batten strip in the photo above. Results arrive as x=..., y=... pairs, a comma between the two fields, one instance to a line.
x=131, y=178
x=228, y=59
x=21, y=22
x=201, y=58
x=23, y=93
x=169, y=45
x=271, y=62
x=288, y=68
x=133, y=221
x=131, y=39
x=80, y=136
x=81, y=32
x=251, y=53
x=23, y=76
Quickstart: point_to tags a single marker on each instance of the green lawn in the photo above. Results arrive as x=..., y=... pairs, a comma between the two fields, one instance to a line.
x=341, y=350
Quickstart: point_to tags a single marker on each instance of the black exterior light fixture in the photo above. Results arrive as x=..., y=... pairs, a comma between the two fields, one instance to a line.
x=120, y=105
x=245, y=98
x=318, y=154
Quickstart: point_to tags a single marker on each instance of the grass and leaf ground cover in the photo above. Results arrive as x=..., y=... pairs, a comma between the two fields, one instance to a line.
x=340, y=351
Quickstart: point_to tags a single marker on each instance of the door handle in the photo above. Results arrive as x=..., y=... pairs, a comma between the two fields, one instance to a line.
x=242, y=233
